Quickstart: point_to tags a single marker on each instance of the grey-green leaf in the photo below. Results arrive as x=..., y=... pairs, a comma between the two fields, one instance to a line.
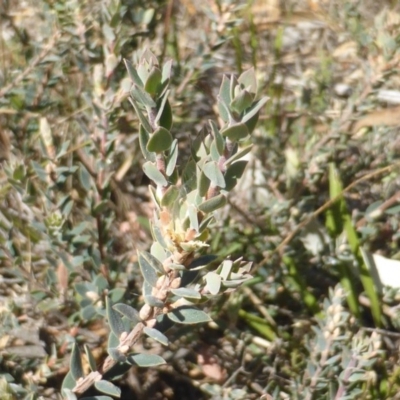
x=144, y=138
x=156, y=335
x=239, y=155
x=242, y=101
x=108, y=388
x=114, y=319
x=154, y=174
x=188, y=315
x=213, y=282
x=145, y=360
x=116, y=354
x=143, y=120
x=219, y=140
x=148, y=271
x=170, y=196
x=142, y=97
x=214, y=174
x=172, y=158
x=76, y=363
x=248, y=80
x=160, y=140
x=233, y=173
x=91, y=359
x=153, y=81
x=224, y=90
x=153, y=261
x=187, y=293
x=203, y=183
x=133, y=73
x=162, y=106
x=255, y=109
x=236, y=132
x=213, y=204
x=128, y=312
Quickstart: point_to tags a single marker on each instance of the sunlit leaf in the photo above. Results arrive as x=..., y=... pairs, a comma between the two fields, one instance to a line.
x=188, y=315
x=145, y=360
x=156, y=335
x=154, y=174
x=159, y=141
x=108, y=388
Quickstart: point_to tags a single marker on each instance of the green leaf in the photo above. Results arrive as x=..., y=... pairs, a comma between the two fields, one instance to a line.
x=90, y=358
x=248, y=80
x=114, y=319
x=100, y=207
x=255, y=109
x=96, y=398
x=203, y=183
x=186, y=293
x=239, y=155
x=242, y=101
x=300, y=284
x=153, y=261
x=158, y=236
x=202, y=261
x=259, y=324
x=194, y=221
x=166, y=71
x=145, y=360
x=113, y=341
x=219, y=140
x=85, y=178
x=236, y=132
x=170, y=196
x=40, y=171
x=214, y=174
x=215, y=156
x=142, y=97
x=144, y=137
x=143, y=120
x=345, y=220
x=69, y=382
x=76, y=368
x=233, y=173
x=252, y=122
x=165, y=119
x=108, y=388
x=154, y=174
x=160, y=140
x=188, y=315
x=133, y=73
x=128, y=312
x=189, y=178
x=148, y=271
x=67, y=393
x=116, y=354
x=224, y=90
x=213, y=282
x=156, y=335
x=172, y=158
x=223, y=110
x=213, y=204
x=153, y=81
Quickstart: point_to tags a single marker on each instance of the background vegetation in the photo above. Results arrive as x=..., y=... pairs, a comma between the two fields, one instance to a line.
x=318, y=199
